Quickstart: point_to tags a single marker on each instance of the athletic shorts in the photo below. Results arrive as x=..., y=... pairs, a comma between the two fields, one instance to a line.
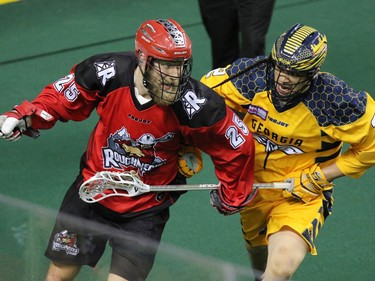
x=270, y=211
x=80, y=235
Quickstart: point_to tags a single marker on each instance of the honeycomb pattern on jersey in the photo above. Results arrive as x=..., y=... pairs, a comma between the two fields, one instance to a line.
x=253, y=81
x=329, y=99
x=332, y=101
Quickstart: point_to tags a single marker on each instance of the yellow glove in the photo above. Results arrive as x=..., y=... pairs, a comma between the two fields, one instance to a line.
x=190, y=161
x=308, y=184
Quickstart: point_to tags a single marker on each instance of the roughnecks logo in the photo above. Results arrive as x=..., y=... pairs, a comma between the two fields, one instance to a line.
x=65, y=241
x=122, y=150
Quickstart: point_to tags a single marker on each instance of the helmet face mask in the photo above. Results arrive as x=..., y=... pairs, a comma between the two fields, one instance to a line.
x=164, y=54
x=287, y=87
x=297, y=54
x=166, y=80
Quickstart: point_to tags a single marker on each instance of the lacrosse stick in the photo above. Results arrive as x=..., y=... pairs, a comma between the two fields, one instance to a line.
x=107, y=184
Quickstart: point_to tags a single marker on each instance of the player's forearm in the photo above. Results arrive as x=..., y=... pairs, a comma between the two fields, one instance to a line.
x=332, y=172
x=28, y=121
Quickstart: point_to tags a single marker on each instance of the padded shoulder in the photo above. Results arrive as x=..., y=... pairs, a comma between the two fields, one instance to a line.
x=249, y=77
x=332, y=101
x=106, y=71
x=199, y=106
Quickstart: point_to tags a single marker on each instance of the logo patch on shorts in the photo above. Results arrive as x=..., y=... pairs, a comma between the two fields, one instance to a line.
x=65, y=241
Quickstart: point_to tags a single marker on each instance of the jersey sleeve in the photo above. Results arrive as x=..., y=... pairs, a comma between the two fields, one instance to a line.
x=231, y=147
x=66, y=99
x=221, y=134
x=217, y=79
x=361, y=136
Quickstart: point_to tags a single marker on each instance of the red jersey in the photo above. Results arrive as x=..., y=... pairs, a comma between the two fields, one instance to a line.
x=147, y=137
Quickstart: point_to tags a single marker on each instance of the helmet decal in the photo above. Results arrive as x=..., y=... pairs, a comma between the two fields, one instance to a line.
x=163, y=39
x=176, y=34
x=301, y=49
x=295, y=41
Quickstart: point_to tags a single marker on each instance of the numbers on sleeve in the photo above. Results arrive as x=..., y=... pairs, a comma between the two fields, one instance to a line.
x=67, y=87
x=216, y=72
x=62, y=82
x=240, y=124
x=71, y=93
x=234, y=133
x=235, y=138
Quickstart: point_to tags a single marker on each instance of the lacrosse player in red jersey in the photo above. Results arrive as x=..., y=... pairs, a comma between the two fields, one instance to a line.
x=149, y=108
x=300, y=118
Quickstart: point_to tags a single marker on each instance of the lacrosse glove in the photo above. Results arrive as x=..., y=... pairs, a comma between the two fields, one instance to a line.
x=222, y=208
x=13, y=124
x=225, y=209
x=307, y=184
x=190, y=161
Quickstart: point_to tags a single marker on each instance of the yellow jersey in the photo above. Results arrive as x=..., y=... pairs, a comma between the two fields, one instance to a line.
x=313, y=131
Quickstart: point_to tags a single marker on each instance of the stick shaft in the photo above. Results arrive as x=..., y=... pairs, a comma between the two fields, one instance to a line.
x=184, y=187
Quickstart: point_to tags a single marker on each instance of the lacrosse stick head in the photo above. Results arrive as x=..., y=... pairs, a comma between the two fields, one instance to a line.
x=107, y=184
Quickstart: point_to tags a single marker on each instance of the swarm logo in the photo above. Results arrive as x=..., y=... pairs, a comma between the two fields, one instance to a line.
x=105, y=70
x=139, y=153
x=270, y=146
x=65, y=241
x=192, y=104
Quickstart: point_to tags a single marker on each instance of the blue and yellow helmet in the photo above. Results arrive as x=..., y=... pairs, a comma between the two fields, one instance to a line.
x=301, y=51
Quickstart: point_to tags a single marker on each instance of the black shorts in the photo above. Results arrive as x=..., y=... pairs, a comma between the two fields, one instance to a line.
x=80, y=236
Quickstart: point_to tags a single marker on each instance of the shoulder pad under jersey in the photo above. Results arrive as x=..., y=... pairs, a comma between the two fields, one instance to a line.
x=106, y=71
x=199, y=106
x=249, y=75
x=332, y=101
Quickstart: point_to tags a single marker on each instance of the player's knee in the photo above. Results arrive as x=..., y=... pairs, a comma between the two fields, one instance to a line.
x=62, y=272
x=281, y=265
x=274, y=272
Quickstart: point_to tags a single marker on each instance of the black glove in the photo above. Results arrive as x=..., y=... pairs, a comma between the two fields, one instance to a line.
x=223, y=208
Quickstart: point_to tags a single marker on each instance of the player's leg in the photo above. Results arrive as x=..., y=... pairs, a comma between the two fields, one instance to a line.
x=254, y=219
x=134, y=251
x=62, y=272
x=78, y=238
x=286, y=251
x=272, y=220
x=221, y=23
x=291, y=231
x=114, y=277
x=254, y=19
x=258, y=258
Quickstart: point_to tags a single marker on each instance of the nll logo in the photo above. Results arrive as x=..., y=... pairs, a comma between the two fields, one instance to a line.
x=105, y=70
x=192, y=104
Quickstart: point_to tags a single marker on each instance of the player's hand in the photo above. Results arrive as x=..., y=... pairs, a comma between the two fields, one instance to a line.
x=12, y=125
x=17, y=122
x=190, y=161
x=222, y=208
x=308, y=184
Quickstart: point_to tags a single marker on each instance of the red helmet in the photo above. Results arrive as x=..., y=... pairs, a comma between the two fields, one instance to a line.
x=163, y=39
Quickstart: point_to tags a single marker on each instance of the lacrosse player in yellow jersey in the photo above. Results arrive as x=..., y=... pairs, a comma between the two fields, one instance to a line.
x=300, y=118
